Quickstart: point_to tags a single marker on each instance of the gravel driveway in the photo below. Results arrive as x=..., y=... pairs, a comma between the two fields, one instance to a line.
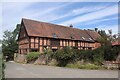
x=16, y=70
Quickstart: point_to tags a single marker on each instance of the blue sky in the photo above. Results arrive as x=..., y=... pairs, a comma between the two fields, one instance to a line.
x=83, y=15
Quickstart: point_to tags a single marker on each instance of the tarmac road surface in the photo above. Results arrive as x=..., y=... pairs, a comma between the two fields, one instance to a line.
x=16, y=70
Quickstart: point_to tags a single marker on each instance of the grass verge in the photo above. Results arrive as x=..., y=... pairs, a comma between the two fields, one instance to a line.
x=85, y=66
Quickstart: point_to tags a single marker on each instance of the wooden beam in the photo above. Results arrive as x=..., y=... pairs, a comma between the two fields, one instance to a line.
x=39, y=44
x=29, y=43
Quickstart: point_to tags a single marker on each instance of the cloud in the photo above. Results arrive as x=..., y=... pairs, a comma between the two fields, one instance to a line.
x=100, y=20
x=48, y=13
x=15, y=7
x=60, y=0
x=13, y=12
x=114, y=28
x=23, y=10
x=1, y=21
x=92, y=16
x=88, y=9
x=79, y=11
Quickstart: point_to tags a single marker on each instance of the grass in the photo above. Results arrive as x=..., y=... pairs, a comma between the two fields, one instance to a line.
x=85, y=66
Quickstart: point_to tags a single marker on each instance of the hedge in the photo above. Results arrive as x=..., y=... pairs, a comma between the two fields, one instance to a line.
x=32, y=56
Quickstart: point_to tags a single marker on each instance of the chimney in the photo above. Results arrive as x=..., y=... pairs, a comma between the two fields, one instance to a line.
x=71, y=26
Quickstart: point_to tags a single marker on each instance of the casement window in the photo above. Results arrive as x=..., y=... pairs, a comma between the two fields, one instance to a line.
x=83, y=48
x=55, y=42
x=54, y=50
x=54, y=35
x=76, y=43
x=90, y=48
x=34, y=50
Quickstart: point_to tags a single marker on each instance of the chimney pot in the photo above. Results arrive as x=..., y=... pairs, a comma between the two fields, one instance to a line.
x=71, y=25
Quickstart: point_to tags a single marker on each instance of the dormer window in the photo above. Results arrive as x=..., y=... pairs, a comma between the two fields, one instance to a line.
x=90, y=39
x=83, y=38
x=54, y=35
x=72, y=37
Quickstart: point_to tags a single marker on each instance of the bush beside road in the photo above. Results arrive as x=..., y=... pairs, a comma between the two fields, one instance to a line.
x=2, y=66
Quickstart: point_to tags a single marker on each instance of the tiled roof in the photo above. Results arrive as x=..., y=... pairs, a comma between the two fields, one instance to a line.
x=94, y=35
x=116, y=43
x=43, y=29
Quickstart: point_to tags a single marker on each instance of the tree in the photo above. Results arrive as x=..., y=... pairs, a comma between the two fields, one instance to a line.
x=96, y=29
x=9, y=43
x=104, y=39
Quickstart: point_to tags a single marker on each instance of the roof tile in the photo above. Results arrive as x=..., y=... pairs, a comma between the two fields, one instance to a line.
x=43, y=29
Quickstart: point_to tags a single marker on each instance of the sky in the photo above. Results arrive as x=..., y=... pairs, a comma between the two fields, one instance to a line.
x=82, y=15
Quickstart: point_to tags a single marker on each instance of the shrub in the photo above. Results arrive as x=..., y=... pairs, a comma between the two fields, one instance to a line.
x=68, y=54
x=76, y=55
x=63, y=56
x=105, y=53
x=98, y=55
x=32, y=56
x=86, y=55
x=49, y=54
x=2, y=67
x=52, y=62
x=112, y=53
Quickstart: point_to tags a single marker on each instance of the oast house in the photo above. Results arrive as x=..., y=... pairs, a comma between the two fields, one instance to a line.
x=34, y=36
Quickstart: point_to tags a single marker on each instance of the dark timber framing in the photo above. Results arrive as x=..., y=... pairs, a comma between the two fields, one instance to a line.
x=29, y=42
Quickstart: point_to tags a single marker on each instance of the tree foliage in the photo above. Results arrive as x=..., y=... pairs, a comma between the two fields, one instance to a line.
x=2, y=67
x=9, y=42
x=107, y=39
x=104, y=39
x=63, y=56
x=97, y=56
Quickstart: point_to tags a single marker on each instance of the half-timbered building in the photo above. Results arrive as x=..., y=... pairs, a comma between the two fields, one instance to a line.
x=36, y=35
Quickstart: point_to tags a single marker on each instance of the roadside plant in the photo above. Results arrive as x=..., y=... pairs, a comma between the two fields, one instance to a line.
x=32, y=56
x=63, y=56
x=84, y=66
x=48, y=53
x=2, y=67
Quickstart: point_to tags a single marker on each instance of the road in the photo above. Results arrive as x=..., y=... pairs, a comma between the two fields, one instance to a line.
x=16, y=70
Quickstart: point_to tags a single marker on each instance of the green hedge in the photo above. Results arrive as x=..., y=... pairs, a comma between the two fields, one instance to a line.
x=96, y=56
x=32, y=56
x=63, y=56
x=68, y=55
